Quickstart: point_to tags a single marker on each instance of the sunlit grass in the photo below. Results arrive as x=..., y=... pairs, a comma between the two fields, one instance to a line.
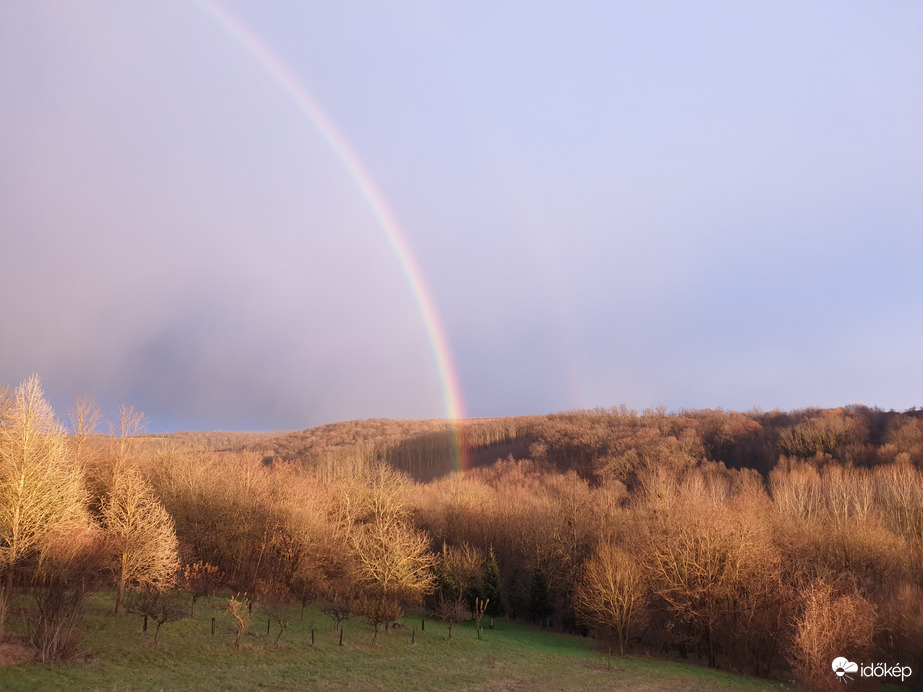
x=122, y=657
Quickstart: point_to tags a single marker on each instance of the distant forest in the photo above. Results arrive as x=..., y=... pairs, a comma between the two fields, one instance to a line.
x=760, y=542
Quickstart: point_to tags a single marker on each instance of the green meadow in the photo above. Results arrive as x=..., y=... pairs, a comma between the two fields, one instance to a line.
x=120, y=656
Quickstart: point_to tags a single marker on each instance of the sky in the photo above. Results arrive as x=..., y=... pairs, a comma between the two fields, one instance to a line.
x=689, y=205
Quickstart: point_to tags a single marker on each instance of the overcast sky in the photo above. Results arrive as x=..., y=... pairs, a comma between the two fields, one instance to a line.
x=714, y=204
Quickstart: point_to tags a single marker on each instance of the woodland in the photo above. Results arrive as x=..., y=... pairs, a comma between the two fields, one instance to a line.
x=765, y=543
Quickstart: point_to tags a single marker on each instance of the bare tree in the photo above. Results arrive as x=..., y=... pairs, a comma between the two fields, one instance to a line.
x=130, y=424
x=833, y=622
x=335, y=584
x=394, y=568
x=68, y=567
x=160, y=606
x=275, y=601
x=339, y=610
x=480, y=607
x=201, y=579
x=142, y=535
x=452, y=612
x=458, y=572
x=85, y=417
x=7, y=397
x=41, y=490
x=703, y=559
x=611, y=593
x=241, y=611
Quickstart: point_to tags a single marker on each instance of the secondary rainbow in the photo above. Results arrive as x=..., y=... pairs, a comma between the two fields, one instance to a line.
x=385, y=218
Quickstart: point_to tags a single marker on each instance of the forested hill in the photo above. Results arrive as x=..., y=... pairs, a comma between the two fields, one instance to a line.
x=768, y=543
x=603, y=444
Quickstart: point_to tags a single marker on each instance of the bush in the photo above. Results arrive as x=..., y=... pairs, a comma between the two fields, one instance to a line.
x=835, y=621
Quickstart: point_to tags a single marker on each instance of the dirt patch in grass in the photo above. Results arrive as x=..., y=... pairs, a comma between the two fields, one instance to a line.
x=14, y=653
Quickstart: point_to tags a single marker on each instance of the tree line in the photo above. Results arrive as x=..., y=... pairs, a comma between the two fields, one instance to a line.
x=762, y=542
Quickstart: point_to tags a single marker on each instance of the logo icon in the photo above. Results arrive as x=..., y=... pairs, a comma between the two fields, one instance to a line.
x=842, y=666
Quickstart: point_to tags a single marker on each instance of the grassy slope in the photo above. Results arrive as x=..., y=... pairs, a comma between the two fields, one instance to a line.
x=187, y=658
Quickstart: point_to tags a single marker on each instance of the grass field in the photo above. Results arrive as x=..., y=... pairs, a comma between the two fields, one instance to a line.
x=187, y=657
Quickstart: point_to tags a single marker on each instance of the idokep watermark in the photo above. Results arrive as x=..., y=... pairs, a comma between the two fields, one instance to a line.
x=847, y=670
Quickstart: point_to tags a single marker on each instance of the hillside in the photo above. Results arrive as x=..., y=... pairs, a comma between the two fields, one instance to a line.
x=188, y=657
x=764, y=543
x=607, y=443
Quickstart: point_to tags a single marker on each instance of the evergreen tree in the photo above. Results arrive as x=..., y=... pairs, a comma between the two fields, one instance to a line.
x=446, y=586
x=540, y=606
x=492, y=586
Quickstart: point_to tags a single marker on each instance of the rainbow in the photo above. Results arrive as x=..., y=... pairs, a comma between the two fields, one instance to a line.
x=442, y=354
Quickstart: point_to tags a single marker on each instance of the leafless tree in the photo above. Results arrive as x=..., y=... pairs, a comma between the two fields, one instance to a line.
x=7, y=397
x=833, y=622
x=142, y=535
x=458, y=571
x=160, y=606
x=239, y=607
x=394, y=568
x=84, y=417
x=611, y=593
x=275, y=601
x=69, y=566
x=201, y=579
x=131, y=423
x=41, y=490
x=702, y=558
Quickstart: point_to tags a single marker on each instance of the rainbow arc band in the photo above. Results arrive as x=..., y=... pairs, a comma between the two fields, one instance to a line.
x=386, y=220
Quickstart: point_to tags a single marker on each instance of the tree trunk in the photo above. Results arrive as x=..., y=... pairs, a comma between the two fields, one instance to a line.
x=711, y=650
x=6, y=592
x=119, y=596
